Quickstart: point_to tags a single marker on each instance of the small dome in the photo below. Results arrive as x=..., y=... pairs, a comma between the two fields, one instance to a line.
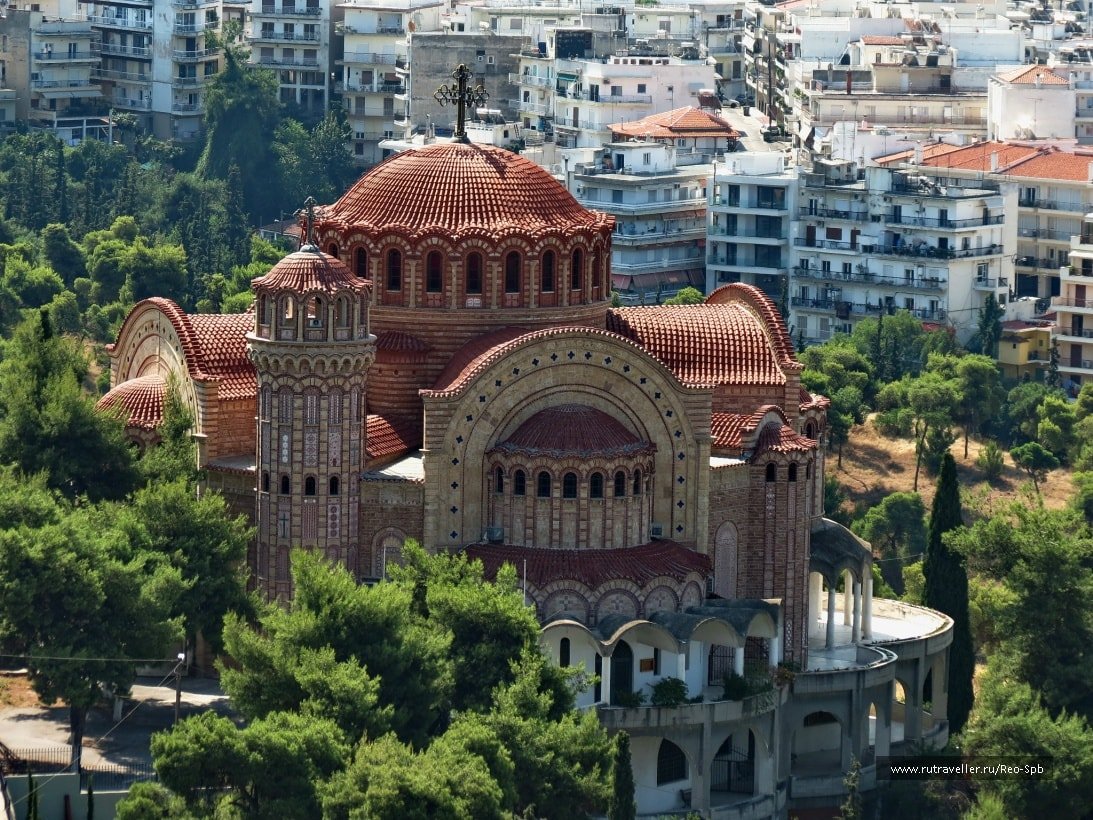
x=142, y=399
x=574, y=429
x=309, y=270
x=459, y=189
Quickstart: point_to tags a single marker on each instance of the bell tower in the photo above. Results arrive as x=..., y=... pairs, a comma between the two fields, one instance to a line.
x=311, y=348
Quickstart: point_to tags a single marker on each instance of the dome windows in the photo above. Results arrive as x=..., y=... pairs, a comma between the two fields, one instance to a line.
x=513, y=264
x=519, y=483
x=360, y=263
x=595, y=485
x=569, y=485
x=474, y=274
x=546, y=279
x=542, y=484
x=576, y=264
x=434, y=272
x=394, y=269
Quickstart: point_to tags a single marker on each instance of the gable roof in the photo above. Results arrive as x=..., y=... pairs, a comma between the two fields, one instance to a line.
x=679, y=122
x=1030, y=74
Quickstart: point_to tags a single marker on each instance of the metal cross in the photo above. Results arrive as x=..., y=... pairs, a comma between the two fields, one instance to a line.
x=309, y=204
x=460, y=96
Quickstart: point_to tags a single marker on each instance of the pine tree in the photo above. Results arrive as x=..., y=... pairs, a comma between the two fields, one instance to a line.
x=947, y=591
x=622, y=806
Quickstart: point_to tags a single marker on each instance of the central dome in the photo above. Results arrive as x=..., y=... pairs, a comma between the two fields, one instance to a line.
x=460, y=189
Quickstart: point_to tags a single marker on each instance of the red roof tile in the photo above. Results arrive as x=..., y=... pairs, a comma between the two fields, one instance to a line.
x=727, y=429
x=1016, y=159
x=309, y=270
x=221, y=341
x=881, y=40
x=396, y=346
x=731, y=342
x=593, y=568
x=460, y=190
x=142, y=400
x=782, y=439
x=392, y=435
x=574, y=429
x=1029, y=74
x=679, y=122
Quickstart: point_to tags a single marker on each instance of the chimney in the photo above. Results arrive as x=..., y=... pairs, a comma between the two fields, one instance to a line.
x=918, y=153
x=1089, y=173
x=1039, y=79
x=994, y=161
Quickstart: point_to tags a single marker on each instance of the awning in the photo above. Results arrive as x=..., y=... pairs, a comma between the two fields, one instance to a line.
x=567, y=77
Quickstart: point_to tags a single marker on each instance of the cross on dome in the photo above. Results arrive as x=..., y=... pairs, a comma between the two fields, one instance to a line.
x=460, y=95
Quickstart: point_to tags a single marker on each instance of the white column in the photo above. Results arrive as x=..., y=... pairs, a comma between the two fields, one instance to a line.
x=830, y=616
x=867, y=609
x=856, y=623
x=847, y=584
x=605, y=680
x=738, y=660
x=815, y=593
x=775, y=650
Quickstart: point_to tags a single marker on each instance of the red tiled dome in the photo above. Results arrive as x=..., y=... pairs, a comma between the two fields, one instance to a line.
x=459, y=189
x=574, y=429
x=308, y=270
x=141, y=398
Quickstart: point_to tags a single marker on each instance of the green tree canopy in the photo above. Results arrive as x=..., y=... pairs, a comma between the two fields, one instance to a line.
x=897, y=529
x=1034, y=460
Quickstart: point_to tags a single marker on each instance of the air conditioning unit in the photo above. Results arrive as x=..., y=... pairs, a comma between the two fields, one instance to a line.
x=656, y=530
x=495, y=535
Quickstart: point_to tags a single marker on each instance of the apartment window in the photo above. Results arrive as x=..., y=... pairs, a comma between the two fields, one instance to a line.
x=388, y=106
x=616, y=91
x=641, y=89
x=646, y=158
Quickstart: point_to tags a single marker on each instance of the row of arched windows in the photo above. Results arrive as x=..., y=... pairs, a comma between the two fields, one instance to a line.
x=474, y=267
x=791, y=472
x=314, y=309
x=570, y=484
x=310, y=485
x=286, y=398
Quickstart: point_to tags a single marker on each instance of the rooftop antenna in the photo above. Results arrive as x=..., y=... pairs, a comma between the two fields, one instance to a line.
x=460, y=96
x=309, y=205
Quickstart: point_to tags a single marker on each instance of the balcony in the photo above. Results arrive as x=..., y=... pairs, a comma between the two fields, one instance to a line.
x=1076, y=364
x=267, y=10
x=1037, y=264
x=657, y=236
x=531, y=80
x=1063, y=301
x=195, y=27
x=124, y=76
x=541, y=109
x=198, y=54
x=672, y=263
x=986, y=283
x=65, y=57
x=139, y=23
x=1076, y=332
x=832, y=213
x=192, y=4
x=610, y=99
x=189, y=82
x=291, y=37
x=778, y=206
x=827, y=244
x=126, y=103
x=844, y=309
x=690, y=203
x=749, y=233
x=932, y=222
x=118, y=50
x=376, y=88
x=186, y=108
x=1044, y=233
x=285, y=62
x=931, y=252
x=373, y=58
x=692, y=714
x=870, y=278
x=65, y=84
x=1056, y=205
x=397, y=30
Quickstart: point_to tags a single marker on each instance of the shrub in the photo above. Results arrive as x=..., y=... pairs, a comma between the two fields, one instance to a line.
x=630, y=699
x=991, y=460
x=893, y=423
x=736, y=686
x=669, y=692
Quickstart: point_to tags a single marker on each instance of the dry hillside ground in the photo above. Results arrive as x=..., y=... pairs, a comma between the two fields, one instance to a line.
x=874, y=466
x=15, y=691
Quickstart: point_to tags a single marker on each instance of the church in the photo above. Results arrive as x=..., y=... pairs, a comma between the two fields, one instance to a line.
x=441, y=361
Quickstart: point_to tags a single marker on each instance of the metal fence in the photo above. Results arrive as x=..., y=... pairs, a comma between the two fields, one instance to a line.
x=56, y=759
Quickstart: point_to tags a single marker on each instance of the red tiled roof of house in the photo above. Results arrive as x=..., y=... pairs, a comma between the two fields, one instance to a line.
x=309, y=270
x=1029, y=74
x=1051, y=163
x=782, y=439
x=881, y=40
x=221, y=340
x=1017, y=159
x=974, y=157
x=574, y=429
x=391, y=435
x=142, y=399
x=679, y=122
x=460, y=190
x=710, y=344
x=593, y=568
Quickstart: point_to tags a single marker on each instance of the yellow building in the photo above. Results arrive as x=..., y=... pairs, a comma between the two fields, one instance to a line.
x=1024, y=351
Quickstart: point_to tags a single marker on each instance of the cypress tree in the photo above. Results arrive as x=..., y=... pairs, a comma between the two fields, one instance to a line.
x=622, y=806
x=947, y=591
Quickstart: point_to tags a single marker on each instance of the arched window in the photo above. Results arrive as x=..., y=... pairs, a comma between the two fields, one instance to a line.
x=332, y=250
x=810, y=431
x=563, y=652
x=474, y=273
x=772, y=472
x=542, y=485
x=263, y=309
x=394, y=269
x=499, y=481
x=265, y=481
x=620, y=484
x=315, y=312
x=286, y=485
x=434, y=272
x=792, y=472
x=309, y=485
x=595, y=486
x=360, y=263
x=671, y=763
x=808, y=470
x=547, y=278
x=288, y=310
x=343, y=315
x=569, y=485
x=334, y=406
x=335, y=485
x=512, y=272
x=637, y=482
x=519, y=483
x=575, y=272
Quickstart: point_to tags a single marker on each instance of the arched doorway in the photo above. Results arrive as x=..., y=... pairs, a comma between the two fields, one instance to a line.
x=734, y=765
x=817, y=746
x=622, y=672
x=725, y=560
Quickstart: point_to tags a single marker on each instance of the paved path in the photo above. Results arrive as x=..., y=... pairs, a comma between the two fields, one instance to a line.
x=107, y=741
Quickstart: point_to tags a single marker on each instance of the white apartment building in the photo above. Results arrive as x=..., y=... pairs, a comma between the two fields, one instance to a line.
x=887, y=240
x=1032, y=101
x=1054, y=193
x=294, y=38
x=1073, y=333
x=750, y=209
x=375, y=68
x=46, y=60
x=155, y=61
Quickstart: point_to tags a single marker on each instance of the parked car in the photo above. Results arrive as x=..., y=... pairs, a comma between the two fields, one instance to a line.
x=745, y=99
x=774, y=133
